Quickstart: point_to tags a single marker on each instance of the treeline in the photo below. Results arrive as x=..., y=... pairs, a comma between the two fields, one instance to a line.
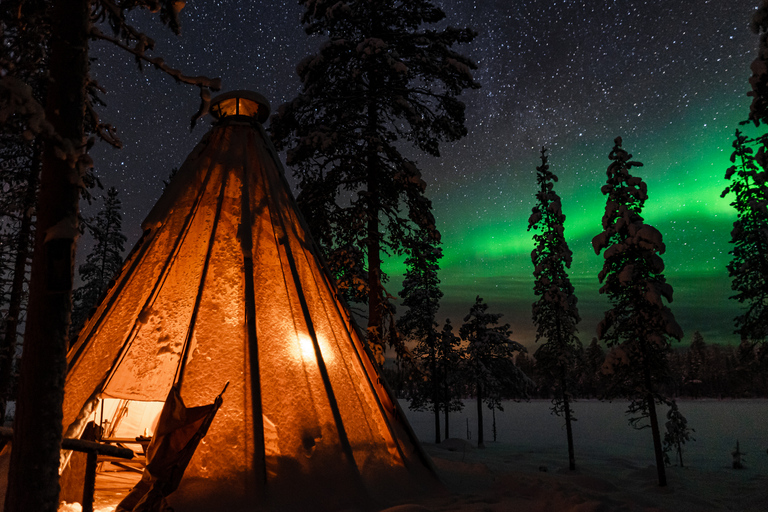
x=699, y=371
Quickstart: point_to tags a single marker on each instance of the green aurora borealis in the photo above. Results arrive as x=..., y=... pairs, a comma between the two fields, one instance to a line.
x=487, y=246
x=669, y=76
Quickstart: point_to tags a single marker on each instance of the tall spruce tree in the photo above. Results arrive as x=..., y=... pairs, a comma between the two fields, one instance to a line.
x=421, y=296
x=103, y=262
x=60, y=29
x=378, y=81
x=555, y=313
x=638, y=327
x=490, y=359
x=748, y=267
x=749, y=185
x=24, y=28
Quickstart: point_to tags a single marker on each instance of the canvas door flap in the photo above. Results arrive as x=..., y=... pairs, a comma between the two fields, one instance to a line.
x=179, y=431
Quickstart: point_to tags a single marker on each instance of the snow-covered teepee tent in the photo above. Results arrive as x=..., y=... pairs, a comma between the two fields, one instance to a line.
x=226, y=285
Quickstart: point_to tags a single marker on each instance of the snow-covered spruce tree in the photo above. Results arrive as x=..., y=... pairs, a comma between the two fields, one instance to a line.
x=555, y=313
x=379, y=80
x=421, y=296
x=749, y=185
x=65, y=163
x=639, y=326
x=490, y=359
x=103, y=262
x=748, y=267
x=677, y=433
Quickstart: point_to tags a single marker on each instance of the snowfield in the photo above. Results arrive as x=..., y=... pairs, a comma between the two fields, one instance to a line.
x=526, y=469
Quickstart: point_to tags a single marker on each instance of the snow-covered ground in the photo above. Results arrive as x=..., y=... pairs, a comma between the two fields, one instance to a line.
x=526, y=469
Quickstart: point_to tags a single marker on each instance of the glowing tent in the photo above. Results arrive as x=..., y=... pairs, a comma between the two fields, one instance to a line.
x=225, y=285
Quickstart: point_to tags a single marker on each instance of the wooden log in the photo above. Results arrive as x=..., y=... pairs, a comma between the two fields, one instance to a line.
x=82, y=446
x=99, y=448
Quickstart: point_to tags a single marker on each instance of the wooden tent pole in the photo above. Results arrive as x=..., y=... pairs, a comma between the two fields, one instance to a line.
x=245, y=233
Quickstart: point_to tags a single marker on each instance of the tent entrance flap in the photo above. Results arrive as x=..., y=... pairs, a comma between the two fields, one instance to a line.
x=179, y=431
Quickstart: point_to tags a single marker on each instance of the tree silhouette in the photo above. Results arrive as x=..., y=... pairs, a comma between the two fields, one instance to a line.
x=421, y=295
x=490, y=358
x=748, y=267
x=379, y=81
x=555, y=313
x=18, y=179
x=103, y=262
x=639, y=326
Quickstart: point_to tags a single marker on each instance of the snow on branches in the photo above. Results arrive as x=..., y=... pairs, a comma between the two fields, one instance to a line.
x=638, y=327
x=632, y=274
x=554, y=313
x=551, y=257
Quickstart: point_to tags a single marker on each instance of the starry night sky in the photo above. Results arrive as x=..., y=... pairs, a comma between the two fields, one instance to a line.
x=669, y=76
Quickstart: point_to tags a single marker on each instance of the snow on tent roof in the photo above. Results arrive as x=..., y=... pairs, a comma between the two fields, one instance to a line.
x=226, y=285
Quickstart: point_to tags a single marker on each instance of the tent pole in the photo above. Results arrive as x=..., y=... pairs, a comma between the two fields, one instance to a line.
x=245, y=232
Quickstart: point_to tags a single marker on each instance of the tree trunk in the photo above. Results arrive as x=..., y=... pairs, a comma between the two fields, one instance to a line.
x=447, y=406
x=435, y=387
x=493, y=411
x=445, y=390
x=373, y=240
x=480, y=443
x=445, y=416
x=660, y=468
x=568, y=428
x=33, y=477
x=8, y=350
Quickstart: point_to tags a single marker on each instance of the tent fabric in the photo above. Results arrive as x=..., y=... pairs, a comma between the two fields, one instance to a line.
x=226, y=285
x=179, y=431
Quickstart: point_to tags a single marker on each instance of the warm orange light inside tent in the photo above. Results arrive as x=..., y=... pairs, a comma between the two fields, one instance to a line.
x=240, y=104
x=307, y=349
x=236, y=107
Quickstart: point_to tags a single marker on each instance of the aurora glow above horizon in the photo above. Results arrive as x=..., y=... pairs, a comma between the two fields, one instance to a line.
x=667, y=76
x=487, y=246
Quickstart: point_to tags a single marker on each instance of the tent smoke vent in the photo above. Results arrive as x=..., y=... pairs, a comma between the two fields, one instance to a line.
x=240, y=104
